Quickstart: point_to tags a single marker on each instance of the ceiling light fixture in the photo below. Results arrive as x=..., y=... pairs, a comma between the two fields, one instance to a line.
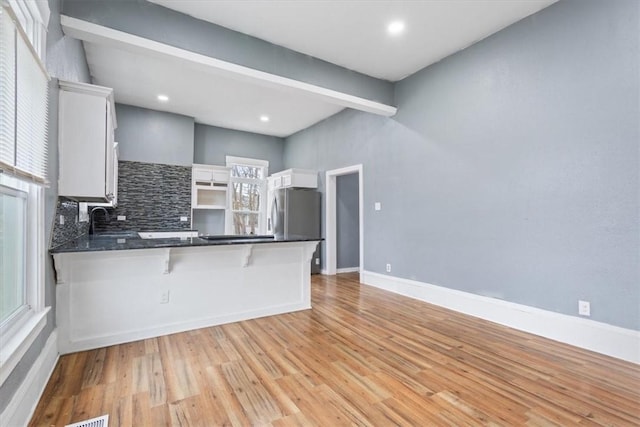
x=264, y=118
x=395, y=28
x=163, y=98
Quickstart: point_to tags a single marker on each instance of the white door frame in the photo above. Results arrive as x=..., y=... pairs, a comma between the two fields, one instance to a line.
x=331, y=239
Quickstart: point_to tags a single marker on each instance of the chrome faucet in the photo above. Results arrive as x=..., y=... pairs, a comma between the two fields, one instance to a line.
x=91, y=219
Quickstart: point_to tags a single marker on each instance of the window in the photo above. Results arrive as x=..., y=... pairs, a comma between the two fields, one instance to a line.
x=246, y=206
x=13, y=231
x=22, y=251
x=33, y=17
x=23, y=160
x=23, y=104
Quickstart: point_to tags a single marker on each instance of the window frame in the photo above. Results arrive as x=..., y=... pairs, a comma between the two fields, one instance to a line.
x=262, y=185
x=18, y=335
x=23, y=329
x=12, y=191
x=33, y=17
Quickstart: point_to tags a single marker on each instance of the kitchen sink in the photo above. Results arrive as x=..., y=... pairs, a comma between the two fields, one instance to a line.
x=168, y=234
x=116, y=234
x=236, y=237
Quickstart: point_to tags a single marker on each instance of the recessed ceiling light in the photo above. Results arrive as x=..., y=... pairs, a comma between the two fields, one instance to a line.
x=264, y=118
x=395, y=28
x=163, y=98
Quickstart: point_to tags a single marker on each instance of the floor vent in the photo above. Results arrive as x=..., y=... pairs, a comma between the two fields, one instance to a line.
x=102, y=421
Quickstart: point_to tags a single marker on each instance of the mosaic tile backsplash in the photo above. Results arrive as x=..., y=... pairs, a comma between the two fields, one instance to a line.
x=71, y=227
x=151, y=196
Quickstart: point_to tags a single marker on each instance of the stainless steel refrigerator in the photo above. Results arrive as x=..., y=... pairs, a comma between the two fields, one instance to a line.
x=296, y=213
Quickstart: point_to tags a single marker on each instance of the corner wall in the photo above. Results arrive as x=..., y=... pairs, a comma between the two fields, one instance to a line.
x=511, y=168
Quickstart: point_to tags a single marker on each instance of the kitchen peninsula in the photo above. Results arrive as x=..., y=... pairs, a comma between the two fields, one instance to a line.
x=121, y=288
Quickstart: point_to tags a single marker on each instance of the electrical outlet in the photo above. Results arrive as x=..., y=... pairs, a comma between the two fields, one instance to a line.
x=377, y=206
x=184, y=218
x=83, y=212
x=164, y=297
x=122, y=218
x=61, y=219
x=388, y=268
x=584, y=308
x=317, y=261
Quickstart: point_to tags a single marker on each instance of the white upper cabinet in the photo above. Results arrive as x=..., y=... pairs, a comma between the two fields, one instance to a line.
x=299, y=178
x=87, y=121
x=209, y=186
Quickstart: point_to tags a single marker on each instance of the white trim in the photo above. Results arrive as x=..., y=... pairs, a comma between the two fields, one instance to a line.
x=43, y=11
x=24, y=401
x=330, y=216
x=233, y=160
x=19, y=338
x=347, y=270
x=262, y=213
x=600, y=337
x=32, y=18
x=94, y=33
x=16, y=346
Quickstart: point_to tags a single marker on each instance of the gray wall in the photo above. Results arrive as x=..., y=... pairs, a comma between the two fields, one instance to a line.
x=154, y=136
x=347, y=221
x=65, y=60
x=151, y=136
x=173, y=28
x=212, y=145
x=511, y=168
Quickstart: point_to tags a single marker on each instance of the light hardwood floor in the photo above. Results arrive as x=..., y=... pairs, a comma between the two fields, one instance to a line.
x=361, y=356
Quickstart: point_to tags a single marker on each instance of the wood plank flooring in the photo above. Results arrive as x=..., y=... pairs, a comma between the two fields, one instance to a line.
x=361, y=356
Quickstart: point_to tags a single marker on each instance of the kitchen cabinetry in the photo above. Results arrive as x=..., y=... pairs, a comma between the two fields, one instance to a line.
x=114, y=201
x=299, y=178
x=209, y=187
x=87, y=121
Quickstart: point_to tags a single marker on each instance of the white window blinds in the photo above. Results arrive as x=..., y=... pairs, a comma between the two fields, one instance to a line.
x=7, y=89
x=23, y=104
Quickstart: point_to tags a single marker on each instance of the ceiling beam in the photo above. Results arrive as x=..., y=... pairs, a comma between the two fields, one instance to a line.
x=94, y=33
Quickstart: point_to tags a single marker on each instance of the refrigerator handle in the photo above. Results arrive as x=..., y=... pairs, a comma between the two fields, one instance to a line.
x=274, y=211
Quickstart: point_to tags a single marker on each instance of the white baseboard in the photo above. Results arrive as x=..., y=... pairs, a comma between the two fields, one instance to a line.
x=21, y=407
x=347, y=270
x=600, y=337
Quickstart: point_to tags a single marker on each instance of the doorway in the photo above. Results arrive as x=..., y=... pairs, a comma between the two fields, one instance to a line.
x=331, y=217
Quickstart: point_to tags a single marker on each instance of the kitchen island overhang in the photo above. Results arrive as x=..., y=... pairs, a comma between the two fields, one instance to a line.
x=122, y=290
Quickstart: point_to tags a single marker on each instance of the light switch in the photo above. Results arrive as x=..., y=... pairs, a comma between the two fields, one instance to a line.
x=377, y=206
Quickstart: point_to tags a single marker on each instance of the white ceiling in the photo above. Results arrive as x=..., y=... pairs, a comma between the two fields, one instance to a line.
x=211, y=99
x=352, y=33
x=348, y=33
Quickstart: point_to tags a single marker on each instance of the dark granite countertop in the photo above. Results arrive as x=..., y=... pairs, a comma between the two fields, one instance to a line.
x=128, y=241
